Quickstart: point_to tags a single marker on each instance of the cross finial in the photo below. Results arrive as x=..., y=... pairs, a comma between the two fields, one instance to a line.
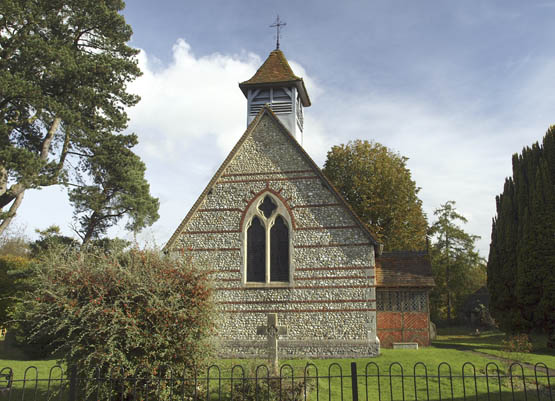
x=278, y=24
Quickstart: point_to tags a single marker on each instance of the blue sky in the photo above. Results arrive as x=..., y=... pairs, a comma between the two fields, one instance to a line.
x=457, y=87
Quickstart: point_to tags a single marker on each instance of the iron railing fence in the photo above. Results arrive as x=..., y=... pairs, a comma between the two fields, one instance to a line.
x=308, y=383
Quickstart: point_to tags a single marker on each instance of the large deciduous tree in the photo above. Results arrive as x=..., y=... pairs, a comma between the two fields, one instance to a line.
x=378, y=185
x=64, y=69
x=457, y=267
x=521, y=261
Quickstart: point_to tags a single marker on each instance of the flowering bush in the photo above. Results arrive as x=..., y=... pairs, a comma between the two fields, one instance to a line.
x=135, y=313
x=518, y=344
x=514, y=349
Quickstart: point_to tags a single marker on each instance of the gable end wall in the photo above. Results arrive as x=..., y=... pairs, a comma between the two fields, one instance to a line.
x=329, y=306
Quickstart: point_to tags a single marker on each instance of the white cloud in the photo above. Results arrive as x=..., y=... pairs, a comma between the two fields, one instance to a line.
x=192, y=113
x=189, y=98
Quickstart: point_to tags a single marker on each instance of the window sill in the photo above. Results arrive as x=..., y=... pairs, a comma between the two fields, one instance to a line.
x=277, y=284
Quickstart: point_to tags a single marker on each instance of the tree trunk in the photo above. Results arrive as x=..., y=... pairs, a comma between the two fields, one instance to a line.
x=93, y=221
x=15, y=193
x=11, y=213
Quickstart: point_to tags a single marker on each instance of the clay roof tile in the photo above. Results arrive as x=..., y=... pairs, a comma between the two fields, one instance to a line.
x=404, y=269
x=275, y=69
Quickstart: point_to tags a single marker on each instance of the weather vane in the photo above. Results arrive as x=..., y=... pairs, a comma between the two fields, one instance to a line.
x=278, y=24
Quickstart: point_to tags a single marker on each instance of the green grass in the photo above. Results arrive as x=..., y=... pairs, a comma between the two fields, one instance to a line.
x=404, y=362
x=491, y=343
x=30, y=374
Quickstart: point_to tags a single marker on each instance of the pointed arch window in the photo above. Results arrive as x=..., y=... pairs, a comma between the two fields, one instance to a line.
x=267, y=242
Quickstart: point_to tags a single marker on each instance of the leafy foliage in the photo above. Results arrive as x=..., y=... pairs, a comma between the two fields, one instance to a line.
x=522, y=251
x=457, y=267
x=378, y=185
x=138, y=311
x=118, y=189
x=64, y=69
x=50, y=239
x=12, y=284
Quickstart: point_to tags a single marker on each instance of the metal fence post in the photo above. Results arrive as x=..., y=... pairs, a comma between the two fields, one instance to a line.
x=73, y=383
x=354, y=381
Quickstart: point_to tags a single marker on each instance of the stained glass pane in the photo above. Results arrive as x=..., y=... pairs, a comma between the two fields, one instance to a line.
x=256, y=252
x=279, y=251
x=267, y=207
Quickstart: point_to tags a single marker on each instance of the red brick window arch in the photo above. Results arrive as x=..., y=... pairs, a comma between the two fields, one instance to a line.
x=267, y=242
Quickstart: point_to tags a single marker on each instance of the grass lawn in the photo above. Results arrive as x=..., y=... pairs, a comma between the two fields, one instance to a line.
x=452, y=346
x=491, y=342
x=407, y=363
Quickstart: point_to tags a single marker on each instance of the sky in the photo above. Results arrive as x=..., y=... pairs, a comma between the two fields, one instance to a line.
x=457, y=87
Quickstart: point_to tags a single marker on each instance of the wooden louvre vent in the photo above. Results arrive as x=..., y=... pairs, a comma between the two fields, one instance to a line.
x=279, y=99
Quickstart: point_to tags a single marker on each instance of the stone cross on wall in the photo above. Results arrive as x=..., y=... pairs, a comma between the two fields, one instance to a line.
x=272, y=331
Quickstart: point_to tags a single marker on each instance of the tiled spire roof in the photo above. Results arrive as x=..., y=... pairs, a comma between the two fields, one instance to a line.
x=275, y=69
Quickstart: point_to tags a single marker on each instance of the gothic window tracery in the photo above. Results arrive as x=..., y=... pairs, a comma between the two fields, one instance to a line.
x=267, y=242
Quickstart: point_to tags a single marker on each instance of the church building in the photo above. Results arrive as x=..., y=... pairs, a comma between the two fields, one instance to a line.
x=278, y=239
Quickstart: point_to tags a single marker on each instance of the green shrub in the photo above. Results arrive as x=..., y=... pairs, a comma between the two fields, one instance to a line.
x=134, y=313
x=514, y=348
x=257, y=385
x=12, y=283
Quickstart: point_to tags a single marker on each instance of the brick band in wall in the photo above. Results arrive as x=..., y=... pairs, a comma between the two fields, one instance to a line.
x=267, y=173
x=330, y=245
x=212, y=232
x=316, y=205
x=332, y=278
x=308, y=269
x=299, y=301
x=325, y=228
x=404, y=329
x=233, y=209
x=318, y=278
x=298, y=310
x=297, y=287
x=308, y=177
x=212, y=249
x=223, y=271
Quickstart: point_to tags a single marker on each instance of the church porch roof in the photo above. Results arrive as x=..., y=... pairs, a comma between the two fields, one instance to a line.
x=404, y=269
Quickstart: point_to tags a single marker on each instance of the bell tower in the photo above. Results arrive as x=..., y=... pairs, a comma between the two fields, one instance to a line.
x=276, y=85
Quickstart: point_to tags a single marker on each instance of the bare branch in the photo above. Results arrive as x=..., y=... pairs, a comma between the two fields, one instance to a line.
x=65, y=150
x=78, y=154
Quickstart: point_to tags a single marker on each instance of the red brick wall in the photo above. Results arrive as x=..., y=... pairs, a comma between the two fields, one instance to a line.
x=403, y=327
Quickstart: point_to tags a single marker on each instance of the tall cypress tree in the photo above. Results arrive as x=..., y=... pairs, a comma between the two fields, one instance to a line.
x=502, y=257
x=522, y=251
